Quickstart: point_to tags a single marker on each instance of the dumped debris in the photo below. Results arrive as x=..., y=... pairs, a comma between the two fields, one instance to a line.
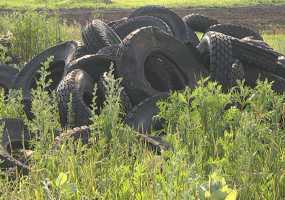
x=154, y=51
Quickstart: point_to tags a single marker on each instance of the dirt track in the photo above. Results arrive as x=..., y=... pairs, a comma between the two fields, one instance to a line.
x=261, y=17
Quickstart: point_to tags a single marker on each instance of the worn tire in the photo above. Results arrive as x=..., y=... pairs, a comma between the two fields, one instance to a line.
x=26, y=78
x=263, y=58
x=125, y=28
x=236, y=31
x=114, y=23
x=97, y=35
x=15, y=136
x=7, y=76
x=76, y=86
x=198, y=22
x=141, y=116
x=216, y=50
x=141, y=79
x=79, y=133
x=176, y=24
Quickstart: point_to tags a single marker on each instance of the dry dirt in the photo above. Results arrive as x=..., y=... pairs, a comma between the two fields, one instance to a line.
x=260, y=17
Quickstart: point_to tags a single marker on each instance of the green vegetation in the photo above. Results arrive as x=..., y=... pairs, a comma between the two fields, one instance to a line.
x=225, y=145
x=54, y=4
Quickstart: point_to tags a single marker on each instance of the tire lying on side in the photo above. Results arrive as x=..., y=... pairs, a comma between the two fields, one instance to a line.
x=15, y=136
x=176, y=24
x=26, y=78
x=125, y=28
x=97, y=35
x=236, y=31
x=216, y=51
x=142, y=79
x=76, y=90
x=198, y=22
x=7, y=76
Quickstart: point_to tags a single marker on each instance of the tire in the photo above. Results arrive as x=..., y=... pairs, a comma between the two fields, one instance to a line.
x=141, y=79
x=176, y=24
x=26, y=78
x=114, y=23
x=198, y=22
x=80, y=52
x=253, y=73
x=97, y=35
x=15, y=136
x=77, y=87
x=94, y=65
x=236, y=31
x=155, y=143
x=7, y=76
x=262, y=58
x=101, y=97
x=125, y=28
x=141, y=116
x=82, y=133
x=216, y=50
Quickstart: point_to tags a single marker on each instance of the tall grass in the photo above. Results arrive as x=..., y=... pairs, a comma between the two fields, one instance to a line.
x=224, y=145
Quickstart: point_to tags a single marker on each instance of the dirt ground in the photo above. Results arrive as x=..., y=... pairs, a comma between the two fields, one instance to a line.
x=260, y=17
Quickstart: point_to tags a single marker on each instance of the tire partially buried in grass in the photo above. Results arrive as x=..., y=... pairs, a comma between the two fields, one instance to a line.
x=26, y=79
x=76, y=90
x=7, y=76
x=175, y=67
x=15, y=137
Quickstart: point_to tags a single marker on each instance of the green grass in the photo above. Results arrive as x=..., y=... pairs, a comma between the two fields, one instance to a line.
x=217, y=152
x=132, y=3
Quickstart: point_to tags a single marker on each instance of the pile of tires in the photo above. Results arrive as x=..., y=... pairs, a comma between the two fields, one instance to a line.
x=154, y=51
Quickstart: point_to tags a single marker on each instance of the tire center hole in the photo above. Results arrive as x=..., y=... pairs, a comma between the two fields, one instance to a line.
x=163, y=74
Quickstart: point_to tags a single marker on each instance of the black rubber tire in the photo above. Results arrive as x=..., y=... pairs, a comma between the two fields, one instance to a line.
x=141, y=79
x=253, y=73
x=216, y=50
x=263, y=58
x=198, y=22
x=77, y=87
x=95, y=65
x=97, y=35
x=141, y=116
x=15, y=136
x=7, y=76
x=81, y=51
x=236, y=31
x=26, y=78
x=101, y=97
x=176, y=24
x=114, y=23
x=125, y=28
x=82, y=133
